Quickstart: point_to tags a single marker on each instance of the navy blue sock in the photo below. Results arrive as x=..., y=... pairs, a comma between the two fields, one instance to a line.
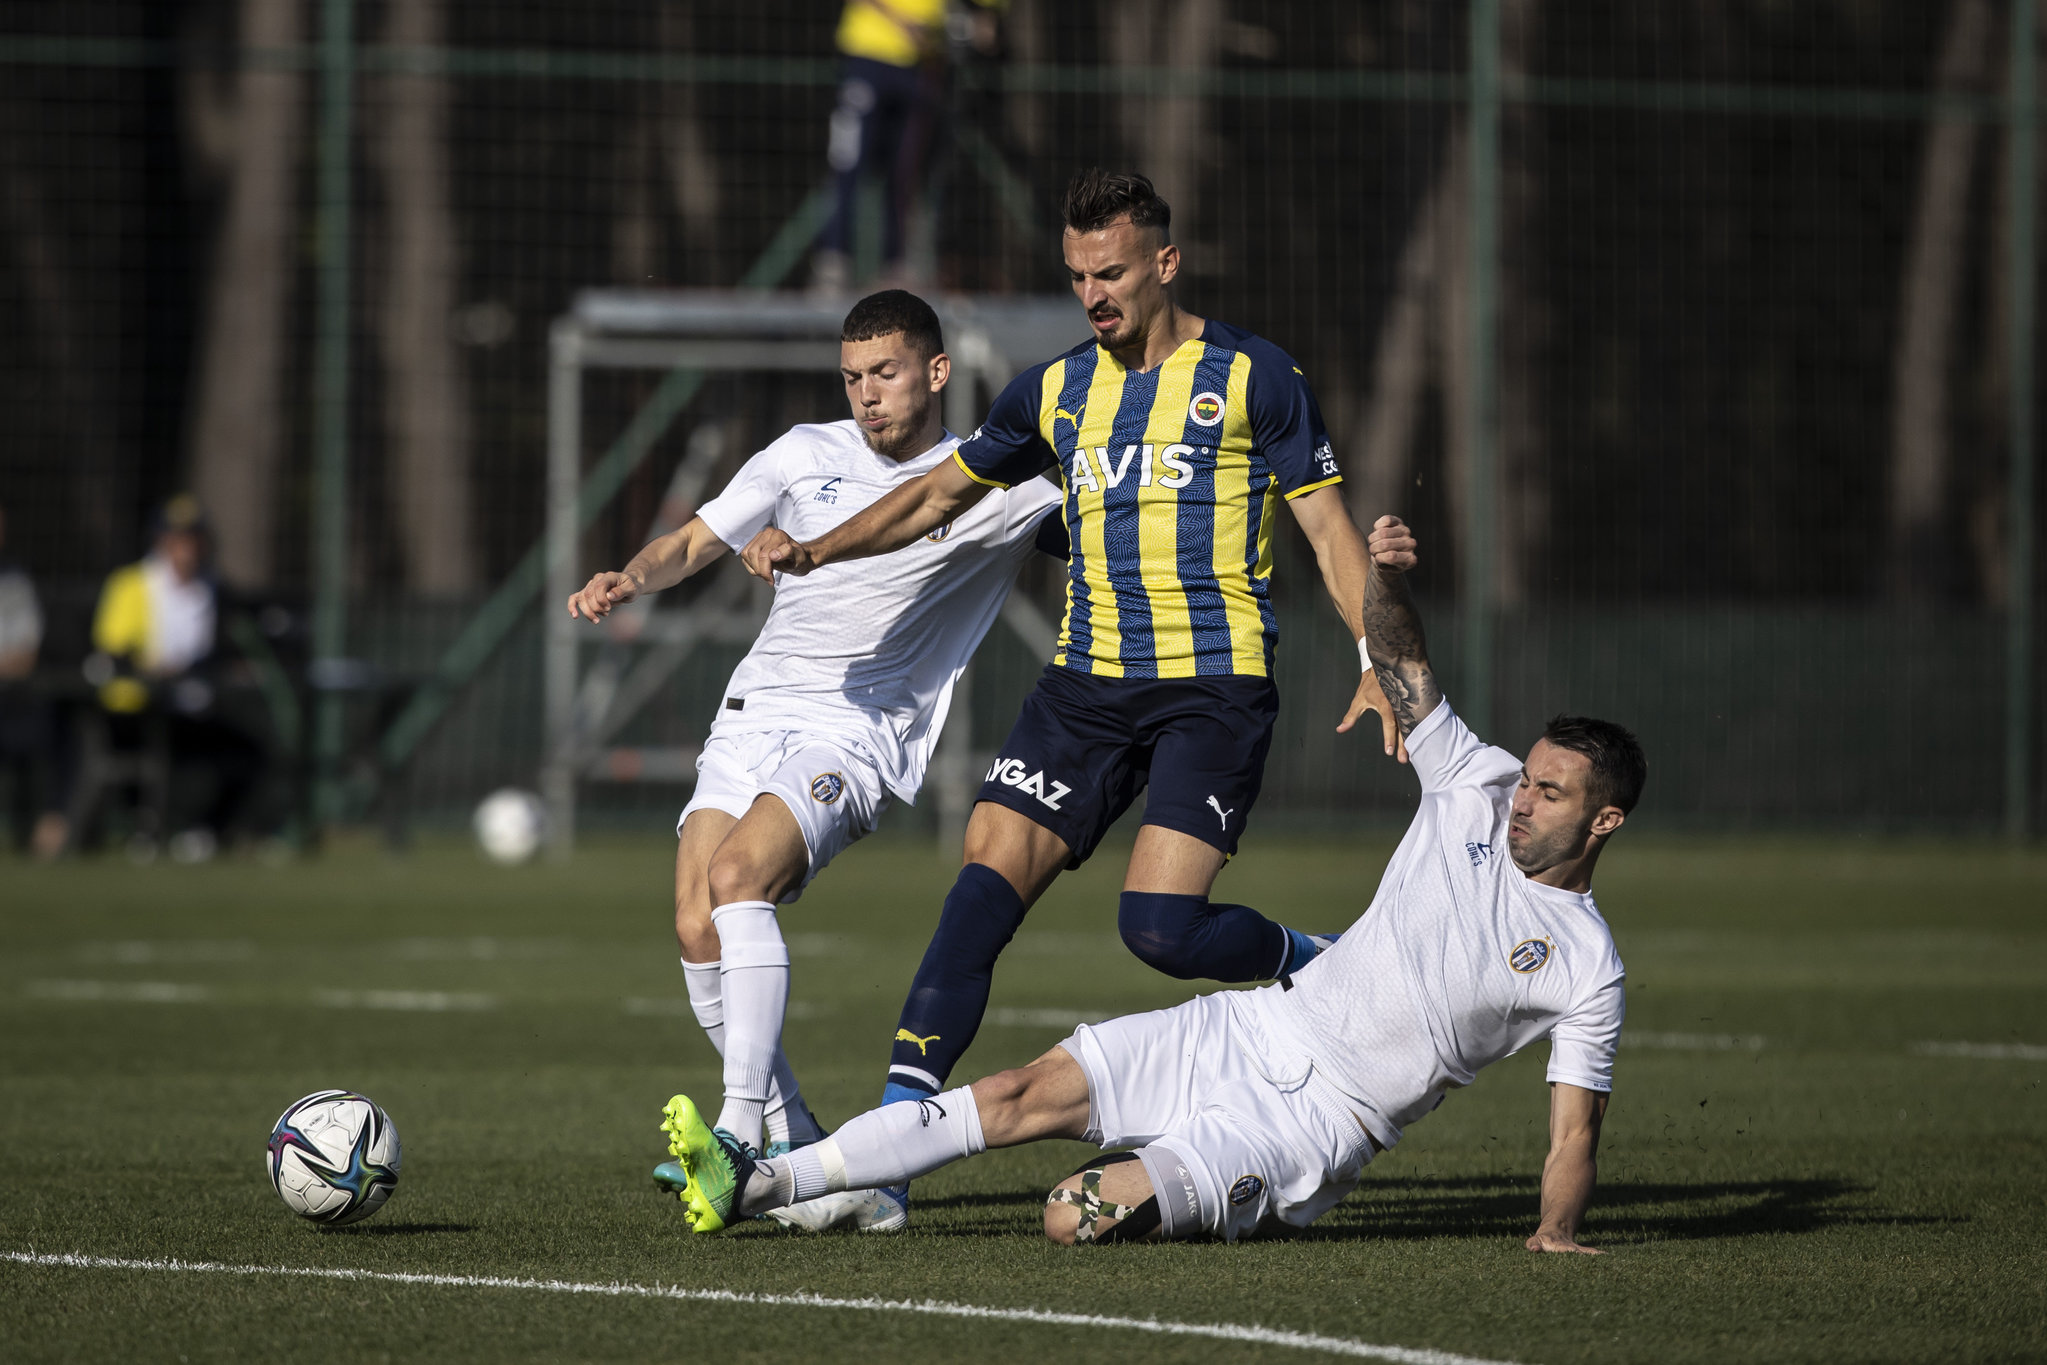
x=950, y=992
x=1191, y=937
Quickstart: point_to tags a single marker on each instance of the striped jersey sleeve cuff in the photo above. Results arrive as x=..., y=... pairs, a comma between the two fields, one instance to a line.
x=984, y=482
x=1309, y=487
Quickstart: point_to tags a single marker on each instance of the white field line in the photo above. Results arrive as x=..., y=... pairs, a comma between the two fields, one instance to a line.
x=122, y=992
x=1996, y=1052
x=432, y=1002
x=1693, y=1042
x=1046, y=1018
x=1217, y=1331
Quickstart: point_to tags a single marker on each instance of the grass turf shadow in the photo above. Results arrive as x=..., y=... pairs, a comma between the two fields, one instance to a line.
x=1413, y=1209
x=1626, y=1210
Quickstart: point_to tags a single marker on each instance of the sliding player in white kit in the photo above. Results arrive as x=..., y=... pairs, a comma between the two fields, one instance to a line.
x=838, y=705
x=1259, y=1109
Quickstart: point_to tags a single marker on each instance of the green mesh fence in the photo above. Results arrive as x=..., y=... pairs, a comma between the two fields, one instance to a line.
x=1697, y=338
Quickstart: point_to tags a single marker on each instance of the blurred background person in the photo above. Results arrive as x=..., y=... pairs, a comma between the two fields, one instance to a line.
x=154, y=636
x=888, y=122
x=32, y=752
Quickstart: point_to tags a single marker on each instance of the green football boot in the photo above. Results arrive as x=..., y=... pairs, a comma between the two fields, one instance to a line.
x=715, y=1166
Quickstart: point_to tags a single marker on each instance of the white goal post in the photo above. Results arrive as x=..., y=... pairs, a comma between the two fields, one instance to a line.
x=595, y=681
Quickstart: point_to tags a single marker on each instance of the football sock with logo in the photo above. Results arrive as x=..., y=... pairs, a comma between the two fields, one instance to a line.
x=755, y=987
x=788, y=1118
x=950, y=992
x=892, y=1145
x=1192, y=937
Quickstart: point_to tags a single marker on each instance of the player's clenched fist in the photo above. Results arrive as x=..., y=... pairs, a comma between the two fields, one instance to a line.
x=774, y=551
x=1392, y=545
x=603, y=592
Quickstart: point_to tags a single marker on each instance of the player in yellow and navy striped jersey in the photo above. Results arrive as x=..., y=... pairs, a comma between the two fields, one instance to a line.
x=1173, y=480
x=1176, y=439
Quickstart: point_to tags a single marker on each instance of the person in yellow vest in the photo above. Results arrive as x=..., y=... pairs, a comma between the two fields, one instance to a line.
x=153, y=638
x=891, y=90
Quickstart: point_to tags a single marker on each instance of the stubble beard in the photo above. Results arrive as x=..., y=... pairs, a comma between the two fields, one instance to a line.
x=894, y=442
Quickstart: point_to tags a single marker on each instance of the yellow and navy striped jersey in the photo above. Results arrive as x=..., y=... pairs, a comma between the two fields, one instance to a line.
x=1173, y=478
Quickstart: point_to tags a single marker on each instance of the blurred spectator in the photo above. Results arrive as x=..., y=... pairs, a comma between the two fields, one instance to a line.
x=31, y=751
x=154, y=636
x=891, y=96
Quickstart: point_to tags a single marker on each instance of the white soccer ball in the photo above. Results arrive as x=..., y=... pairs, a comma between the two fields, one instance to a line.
x=334, y=1157
x=511, y=825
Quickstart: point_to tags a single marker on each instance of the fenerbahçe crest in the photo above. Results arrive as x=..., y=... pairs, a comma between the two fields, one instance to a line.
x=1529, y=955
x=826, y=787
x=1207, y=408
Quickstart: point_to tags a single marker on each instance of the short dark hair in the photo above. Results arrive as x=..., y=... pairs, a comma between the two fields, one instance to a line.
x=1618, y=767
x=1096, y=198
x=892, y=311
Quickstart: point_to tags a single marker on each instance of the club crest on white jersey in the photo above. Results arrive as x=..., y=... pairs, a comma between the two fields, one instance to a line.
x=1529, y=955
x=826, y=788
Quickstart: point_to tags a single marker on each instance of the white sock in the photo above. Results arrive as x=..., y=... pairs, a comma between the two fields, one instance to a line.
x=754, y=982
x=892, y=1145
x=788, y=1118
x=706, y=1000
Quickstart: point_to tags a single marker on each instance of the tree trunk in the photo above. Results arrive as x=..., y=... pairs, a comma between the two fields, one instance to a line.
x=236, y=439
x=426, y=415
x=1400, y=364
x=1922, y=362
x=1524, y=515
x=1166, y=133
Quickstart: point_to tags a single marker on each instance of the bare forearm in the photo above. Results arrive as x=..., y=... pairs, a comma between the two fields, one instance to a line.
x=906, y=515
x=1399, y=650
x=1568, y=1177
x=1346, y=566
x=667, y=561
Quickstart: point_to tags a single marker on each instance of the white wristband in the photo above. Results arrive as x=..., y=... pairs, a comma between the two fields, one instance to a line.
x=1364, y=656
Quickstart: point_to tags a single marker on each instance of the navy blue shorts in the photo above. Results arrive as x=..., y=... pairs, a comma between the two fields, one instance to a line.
x=1084, y=747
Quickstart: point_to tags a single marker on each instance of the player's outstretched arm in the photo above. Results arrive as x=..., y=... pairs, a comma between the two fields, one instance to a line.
x=1568, y=1174
x=662, y=564
x=1345, y=563
x=1393, y=627
x=911, y=512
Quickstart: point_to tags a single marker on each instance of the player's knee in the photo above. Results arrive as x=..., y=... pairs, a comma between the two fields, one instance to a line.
x=1062, y=1220
x=1163, y=931
x=736, y=875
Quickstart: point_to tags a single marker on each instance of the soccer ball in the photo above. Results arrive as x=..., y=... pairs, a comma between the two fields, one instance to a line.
x=334, y=1157
x=511, y=825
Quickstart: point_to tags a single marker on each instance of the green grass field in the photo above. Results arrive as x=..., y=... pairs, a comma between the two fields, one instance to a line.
x=1792, y=1169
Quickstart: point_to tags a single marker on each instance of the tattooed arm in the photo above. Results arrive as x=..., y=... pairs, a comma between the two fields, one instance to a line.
x=1393, y=628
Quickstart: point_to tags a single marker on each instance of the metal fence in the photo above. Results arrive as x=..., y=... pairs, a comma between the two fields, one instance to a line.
x=1698, y=337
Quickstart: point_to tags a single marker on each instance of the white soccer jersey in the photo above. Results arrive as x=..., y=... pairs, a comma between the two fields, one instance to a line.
x=867, y=651
x=1460, y=960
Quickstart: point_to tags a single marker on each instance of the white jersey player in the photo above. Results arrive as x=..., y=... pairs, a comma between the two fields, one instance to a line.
x=839, y=704
x=1260, y=1109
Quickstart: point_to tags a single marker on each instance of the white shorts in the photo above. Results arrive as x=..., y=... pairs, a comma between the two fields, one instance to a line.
x=834, y=792
x=1264, y=1140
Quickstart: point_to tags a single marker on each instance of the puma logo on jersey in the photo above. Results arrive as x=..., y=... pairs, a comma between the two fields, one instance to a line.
x=1011, y=773
x=828, y=494
x=1220, y=813
x=903, y=1035
x=1073, y=417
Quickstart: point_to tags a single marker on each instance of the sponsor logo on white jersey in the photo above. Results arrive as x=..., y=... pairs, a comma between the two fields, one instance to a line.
x=1479, y=854
x=828, y=494
x=1530, y=954
x=1011, y=772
